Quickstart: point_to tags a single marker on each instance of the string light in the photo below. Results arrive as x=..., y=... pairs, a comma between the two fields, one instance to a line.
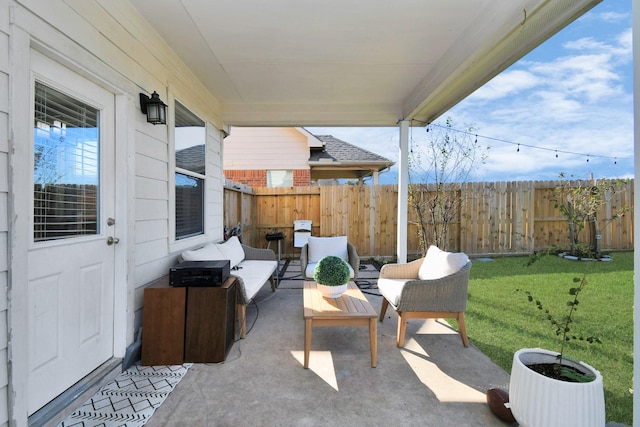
x=518, y=143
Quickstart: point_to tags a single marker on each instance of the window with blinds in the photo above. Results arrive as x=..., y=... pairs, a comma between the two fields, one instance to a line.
x=66, y=167
x=190, y=136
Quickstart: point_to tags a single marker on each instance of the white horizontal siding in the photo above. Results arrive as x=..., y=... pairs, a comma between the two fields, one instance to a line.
x=151, y=209
x=147, y=231
x=151, y=147
x=114, y=45
x=4, y=209
x=151, y=168
x=151, y=251
x=149, y=188
x=4, y=132
x=214, y=195
x=266, y=148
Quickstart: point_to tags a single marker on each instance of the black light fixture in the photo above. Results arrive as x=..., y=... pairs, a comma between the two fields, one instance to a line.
x=154, y=108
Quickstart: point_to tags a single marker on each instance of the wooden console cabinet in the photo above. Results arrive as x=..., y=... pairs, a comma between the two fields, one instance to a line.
x=194, y=324
x=163, y=324
x=210, y=327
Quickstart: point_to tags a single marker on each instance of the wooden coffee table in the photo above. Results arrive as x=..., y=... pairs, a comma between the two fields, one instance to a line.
x=351, y=309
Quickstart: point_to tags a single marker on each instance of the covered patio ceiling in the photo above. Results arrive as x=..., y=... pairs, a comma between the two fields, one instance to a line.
x=349, y=62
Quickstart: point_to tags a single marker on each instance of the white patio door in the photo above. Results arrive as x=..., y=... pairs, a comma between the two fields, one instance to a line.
x=70, y=259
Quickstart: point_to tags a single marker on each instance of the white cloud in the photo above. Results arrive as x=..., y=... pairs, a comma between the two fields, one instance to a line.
x=587, y=43
x=508, y=83
x=625, y=43
x=612, y=17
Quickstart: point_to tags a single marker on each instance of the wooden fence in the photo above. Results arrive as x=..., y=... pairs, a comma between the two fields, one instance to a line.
x=500, y=218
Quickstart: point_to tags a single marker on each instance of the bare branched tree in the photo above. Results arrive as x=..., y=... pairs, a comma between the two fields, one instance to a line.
x=438, y=166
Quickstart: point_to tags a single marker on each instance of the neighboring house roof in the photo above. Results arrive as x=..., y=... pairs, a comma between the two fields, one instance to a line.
x=340, y=159
x=191, y=158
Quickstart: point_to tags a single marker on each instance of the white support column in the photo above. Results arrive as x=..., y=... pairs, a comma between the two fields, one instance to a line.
x=636, y=213
x=403, y=191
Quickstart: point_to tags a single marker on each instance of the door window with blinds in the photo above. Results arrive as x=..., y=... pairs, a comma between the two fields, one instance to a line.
x=190, y=136
x=66, y=166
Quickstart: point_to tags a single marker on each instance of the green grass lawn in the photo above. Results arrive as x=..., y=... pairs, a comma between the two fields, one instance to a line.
x=500, y=320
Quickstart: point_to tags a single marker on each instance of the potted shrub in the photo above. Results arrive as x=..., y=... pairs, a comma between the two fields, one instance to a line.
x=332, y=275
x=547, y=388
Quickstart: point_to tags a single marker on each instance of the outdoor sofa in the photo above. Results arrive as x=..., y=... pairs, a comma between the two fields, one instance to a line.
x=251, y=266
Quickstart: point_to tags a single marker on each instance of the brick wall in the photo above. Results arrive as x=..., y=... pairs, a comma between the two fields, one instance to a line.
x=254, y=178
x=301, y=177
x=258, y=177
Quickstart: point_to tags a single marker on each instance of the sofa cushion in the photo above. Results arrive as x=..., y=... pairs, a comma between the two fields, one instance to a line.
x=254, y=274
x=319, y=247
x=438, y=263
x=209, y=252
x=308, y=272
x=232, y=250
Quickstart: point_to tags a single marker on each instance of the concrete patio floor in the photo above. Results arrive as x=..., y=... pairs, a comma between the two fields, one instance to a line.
x=432, y=381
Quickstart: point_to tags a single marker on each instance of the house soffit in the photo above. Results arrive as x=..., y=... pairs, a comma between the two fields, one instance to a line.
x=336, y=63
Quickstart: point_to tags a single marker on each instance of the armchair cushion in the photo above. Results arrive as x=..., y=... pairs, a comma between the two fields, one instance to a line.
x=319, y=247
x=391, y=289
x=438, y=263
x=232, y=250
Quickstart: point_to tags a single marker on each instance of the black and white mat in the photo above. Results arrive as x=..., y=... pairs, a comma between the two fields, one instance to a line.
x=130, y=399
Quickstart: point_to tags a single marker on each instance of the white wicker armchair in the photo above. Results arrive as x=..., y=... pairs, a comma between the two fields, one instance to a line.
x=413, y=298
x=317, y=247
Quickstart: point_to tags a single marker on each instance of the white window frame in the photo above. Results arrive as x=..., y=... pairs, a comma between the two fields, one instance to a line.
x=287, y=178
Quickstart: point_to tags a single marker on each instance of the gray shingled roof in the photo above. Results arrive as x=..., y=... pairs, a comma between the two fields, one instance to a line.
x=336, y=150
x=191, y=158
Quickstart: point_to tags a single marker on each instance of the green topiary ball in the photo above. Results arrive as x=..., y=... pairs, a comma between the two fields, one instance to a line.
x=331, y=271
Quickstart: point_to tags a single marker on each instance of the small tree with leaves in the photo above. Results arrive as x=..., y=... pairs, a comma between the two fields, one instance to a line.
x=580, y=202
x=438, y=167
x=563, y=324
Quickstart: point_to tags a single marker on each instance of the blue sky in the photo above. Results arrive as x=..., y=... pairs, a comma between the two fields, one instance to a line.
x=568, y=103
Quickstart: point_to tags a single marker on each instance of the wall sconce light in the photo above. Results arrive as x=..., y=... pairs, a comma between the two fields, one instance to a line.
x=154, y=108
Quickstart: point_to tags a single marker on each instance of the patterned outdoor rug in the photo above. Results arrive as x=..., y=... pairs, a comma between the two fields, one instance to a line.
x=130, y=399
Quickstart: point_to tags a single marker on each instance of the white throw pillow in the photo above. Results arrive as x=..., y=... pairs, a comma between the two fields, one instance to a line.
x=209, y=252
x=438, y=263
x=319, y=247
x=232, y=250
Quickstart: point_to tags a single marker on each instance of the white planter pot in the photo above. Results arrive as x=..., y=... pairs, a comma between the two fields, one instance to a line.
x=539, y=401
x=332, y=291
